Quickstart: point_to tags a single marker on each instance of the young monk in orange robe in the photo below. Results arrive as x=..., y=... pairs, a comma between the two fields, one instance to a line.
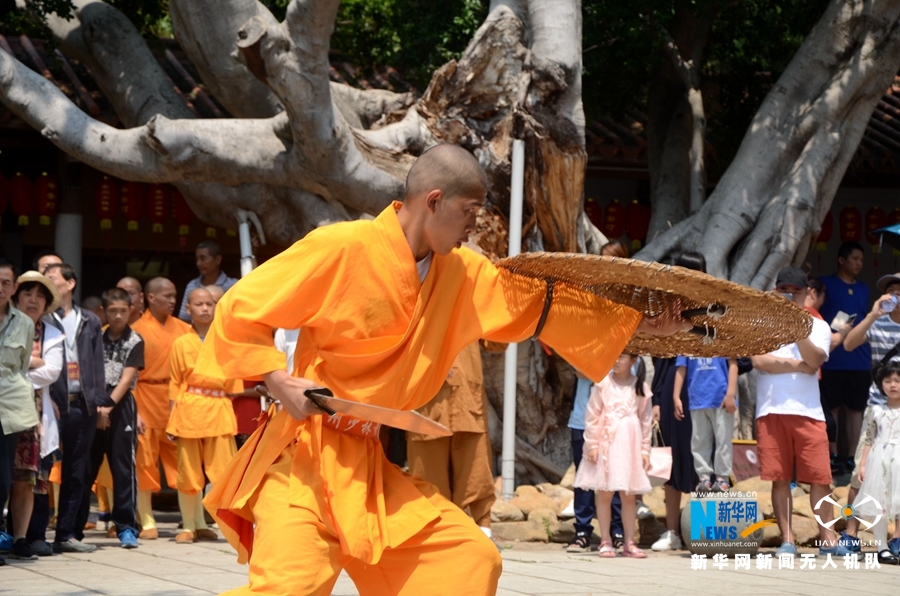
x=159, y=329
x=202, y=420
x=385, y=306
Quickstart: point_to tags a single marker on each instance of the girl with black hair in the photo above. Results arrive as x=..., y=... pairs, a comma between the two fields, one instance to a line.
x=617, y=428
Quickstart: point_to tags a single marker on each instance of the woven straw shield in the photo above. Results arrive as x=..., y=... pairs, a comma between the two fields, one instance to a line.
x=753, y=322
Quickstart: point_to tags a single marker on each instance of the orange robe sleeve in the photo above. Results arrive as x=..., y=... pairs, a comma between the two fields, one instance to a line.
x=285, y=291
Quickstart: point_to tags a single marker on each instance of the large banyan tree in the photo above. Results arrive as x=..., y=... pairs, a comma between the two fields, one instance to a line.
x=301, y=151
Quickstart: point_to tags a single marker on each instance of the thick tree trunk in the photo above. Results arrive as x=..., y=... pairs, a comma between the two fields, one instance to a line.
x=768, y=205
x=302, y=151
x=676, y=126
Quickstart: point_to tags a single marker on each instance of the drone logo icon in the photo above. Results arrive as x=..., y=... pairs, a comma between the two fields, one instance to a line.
x=848, y=511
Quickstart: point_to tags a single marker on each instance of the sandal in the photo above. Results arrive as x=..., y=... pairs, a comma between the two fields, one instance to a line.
x=607, y=551
x=631, y=550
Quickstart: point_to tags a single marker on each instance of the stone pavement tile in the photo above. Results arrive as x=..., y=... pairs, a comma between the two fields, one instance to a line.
x=39, y=587
x=215, y=581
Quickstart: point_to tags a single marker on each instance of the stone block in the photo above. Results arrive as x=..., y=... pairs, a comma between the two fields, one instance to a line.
x=503, y=511
x=528, y=502
x=569, y=479
x=518, y=532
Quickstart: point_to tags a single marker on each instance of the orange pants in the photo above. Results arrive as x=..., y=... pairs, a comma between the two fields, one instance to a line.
x=294, y=554
x=152, y=447
x=460, y=467
x=209, y=454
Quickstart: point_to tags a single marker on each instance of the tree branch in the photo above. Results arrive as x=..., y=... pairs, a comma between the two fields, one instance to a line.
x=105, y=41
x=207, y=31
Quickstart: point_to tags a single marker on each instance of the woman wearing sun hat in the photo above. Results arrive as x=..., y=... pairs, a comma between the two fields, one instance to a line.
x=36, y=296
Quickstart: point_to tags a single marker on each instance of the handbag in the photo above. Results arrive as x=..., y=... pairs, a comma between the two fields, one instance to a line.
x=660, y=459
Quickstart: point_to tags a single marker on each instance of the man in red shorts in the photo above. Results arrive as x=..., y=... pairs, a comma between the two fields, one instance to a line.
x=790, y=423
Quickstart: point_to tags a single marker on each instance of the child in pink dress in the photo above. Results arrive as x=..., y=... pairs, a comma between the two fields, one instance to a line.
x=617, y=429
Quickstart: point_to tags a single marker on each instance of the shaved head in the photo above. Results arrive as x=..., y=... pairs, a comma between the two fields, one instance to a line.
x=448, y=168
x=129, y=284
x=133, y=287
x=194, y=295
x=215, y=291
x=161, y=296
x=157, y=284
x=201, y=307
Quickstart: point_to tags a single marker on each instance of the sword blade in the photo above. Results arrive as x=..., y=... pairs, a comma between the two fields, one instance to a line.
x=404, y=419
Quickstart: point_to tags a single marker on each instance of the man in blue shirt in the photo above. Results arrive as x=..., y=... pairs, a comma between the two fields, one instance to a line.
x=209, y=264
x=846, y=376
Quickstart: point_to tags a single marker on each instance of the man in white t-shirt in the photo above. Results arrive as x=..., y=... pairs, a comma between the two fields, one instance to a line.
x=790, y=423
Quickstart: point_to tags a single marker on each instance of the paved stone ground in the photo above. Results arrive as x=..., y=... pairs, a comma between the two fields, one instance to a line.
x=162, y=568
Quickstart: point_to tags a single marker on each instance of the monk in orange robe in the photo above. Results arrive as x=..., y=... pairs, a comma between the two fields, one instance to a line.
x=384, y=307
x=202, y=420
x=159, y=329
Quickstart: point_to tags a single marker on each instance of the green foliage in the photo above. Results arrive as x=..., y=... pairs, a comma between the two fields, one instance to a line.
x=151, y=17
x=415, y=36
x=750, y=44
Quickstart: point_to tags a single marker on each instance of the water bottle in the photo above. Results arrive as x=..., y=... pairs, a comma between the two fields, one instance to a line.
x=889, y=304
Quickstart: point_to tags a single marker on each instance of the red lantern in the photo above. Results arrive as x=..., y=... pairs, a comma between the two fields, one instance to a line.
x=4, y=194
x=105, y=201
x=181, y=213
x=825, y=233
x=594, y=212
x=46, y=191
x=875, y=219
x=183, y=216
x=20, y=195
x=132, y=194
x=614, y=220
x=850, y=224
x=637, y=222
x=158, y=206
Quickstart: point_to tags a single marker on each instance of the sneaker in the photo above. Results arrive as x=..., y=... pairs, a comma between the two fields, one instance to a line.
x=894, y=546
x=102, y=525
x=42, y=548
x=618, y=540
x=73, y=546
x=6, y=542
x=721, y=485
x=786, y=548
x=22, y=550
x=704, y=486
x=581, y=544
x=643, y=512
x=851, y=464
x=853, y=544
x=838, y=550
x=668, y=541
x=128, y=538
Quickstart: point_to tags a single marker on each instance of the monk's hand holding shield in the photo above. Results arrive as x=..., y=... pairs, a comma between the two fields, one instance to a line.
x=289, y=391
x=668, y=322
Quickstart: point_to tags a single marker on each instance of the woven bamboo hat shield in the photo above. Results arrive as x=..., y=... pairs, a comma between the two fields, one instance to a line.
x=730, y=320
